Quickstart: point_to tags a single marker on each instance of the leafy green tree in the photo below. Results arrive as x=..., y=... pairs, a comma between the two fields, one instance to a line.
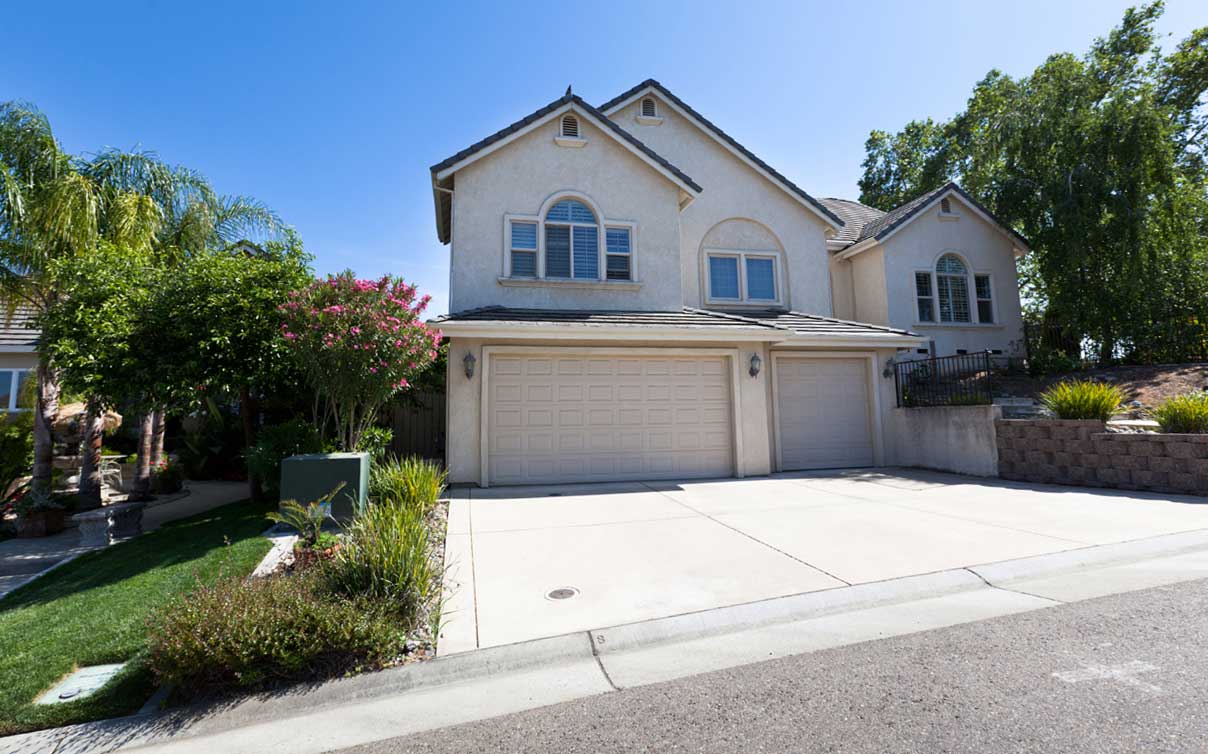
x=1098, y=161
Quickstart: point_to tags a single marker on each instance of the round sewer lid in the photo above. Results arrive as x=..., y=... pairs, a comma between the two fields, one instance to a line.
x=562, y=593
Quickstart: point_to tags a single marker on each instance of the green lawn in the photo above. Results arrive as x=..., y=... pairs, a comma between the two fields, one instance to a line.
x=94, y=610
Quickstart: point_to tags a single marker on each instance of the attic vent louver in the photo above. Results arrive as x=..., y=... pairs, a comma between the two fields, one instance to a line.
x=648, y=108
x=945, y=205
x=570, y=126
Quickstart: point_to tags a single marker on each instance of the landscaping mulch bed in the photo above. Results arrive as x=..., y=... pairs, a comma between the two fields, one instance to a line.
x=1148, y=385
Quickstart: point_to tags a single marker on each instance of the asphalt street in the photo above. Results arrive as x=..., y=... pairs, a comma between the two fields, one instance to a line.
x=1126, y=673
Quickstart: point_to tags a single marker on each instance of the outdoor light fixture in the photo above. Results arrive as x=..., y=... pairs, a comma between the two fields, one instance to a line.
x=469, y=362
x=756, y=363
x=887, y=372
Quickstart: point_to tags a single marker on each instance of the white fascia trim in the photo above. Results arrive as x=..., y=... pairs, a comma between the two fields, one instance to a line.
x=851, y=251
x=18, y=349
x=568, y=107
x=527, y=331
x=746, y=160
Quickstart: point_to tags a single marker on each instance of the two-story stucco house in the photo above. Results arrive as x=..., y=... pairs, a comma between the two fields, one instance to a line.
x=635, y=295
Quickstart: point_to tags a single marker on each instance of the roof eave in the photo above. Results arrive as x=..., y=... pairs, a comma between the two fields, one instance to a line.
x=564, y=331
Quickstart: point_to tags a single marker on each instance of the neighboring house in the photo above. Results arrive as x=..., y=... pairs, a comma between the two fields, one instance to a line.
x=18, y=354
x=635, y=295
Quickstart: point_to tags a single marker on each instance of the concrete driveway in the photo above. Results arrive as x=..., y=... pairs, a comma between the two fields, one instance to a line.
x=641, y=550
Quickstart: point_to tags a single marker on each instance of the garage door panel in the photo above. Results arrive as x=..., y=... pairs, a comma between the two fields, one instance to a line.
x=566, y=419
x=823, y=412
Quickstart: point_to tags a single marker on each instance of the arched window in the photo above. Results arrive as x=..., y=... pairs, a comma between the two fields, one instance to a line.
x=952, y=285
x=572, y=241
x=570, y=126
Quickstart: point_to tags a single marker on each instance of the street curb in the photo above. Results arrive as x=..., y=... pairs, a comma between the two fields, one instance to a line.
x=1056, y=563
x=786, y=609
x=582, y=647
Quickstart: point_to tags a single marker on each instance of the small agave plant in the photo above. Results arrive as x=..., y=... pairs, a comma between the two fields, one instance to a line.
x=308, y=520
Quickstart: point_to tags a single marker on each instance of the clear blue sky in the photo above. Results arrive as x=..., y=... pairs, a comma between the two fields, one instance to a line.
x=332, y=112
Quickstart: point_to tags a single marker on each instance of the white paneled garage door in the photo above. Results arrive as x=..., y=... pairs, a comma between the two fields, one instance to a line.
x=583, y=418
x=824, y=414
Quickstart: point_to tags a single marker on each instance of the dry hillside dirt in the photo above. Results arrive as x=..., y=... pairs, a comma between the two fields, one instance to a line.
x=1149, y=385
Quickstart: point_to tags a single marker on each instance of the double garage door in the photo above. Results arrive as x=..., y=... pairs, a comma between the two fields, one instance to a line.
x=581, y=418
x=555, y=418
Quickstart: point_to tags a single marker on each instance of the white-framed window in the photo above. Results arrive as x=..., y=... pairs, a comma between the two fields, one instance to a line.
x=572, y=241
x=649, y=108
x=925, y=295
x=570, y=127
x=523, y=235
x=13, y=384
x=618, y=253
x=743, y=277
x=952, y=286
x=985, y=298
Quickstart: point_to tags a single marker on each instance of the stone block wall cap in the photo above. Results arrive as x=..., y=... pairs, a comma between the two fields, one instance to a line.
x=321, y=456
x=108, y=510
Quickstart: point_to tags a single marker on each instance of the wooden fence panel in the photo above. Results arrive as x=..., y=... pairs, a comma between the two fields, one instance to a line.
x=419, y=427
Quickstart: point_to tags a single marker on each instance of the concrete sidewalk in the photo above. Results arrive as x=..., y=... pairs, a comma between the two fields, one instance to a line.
x=21, y=560
x=641, y=551
x=501, y=680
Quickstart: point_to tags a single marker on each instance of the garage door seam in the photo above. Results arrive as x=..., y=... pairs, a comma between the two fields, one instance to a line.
x=748, y=536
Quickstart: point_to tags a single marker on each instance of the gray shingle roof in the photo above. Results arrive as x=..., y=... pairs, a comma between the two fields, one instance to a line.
x=794, y=188
x=855, y=217
x=686, y=317
x=773, y=320
x=813, y=324
x=872, y=223
x=17, y=331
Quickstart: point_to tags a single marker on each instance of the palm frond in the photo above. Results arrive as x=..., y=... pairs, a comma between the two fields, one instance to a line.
x=66, y=217
x=243, y=217
x=134, y=220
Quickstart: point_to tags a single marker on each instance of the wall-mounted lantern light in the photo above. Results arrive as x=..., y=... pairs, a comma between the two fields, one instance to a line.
x=887, y=372
x=469, y=361
x=756, y=364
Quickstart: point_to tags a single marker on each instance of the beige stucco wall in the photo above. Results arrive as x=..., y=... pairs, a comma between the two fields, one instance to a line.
x=868, y=287
x=28, y=360
x=984, y=248
x=755, y=396
x=519, y=177
x=842, y=289
x=734, y=190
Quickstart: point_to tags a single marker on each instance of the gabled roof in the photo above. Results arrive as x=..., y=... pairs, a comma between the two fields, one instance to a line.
x=17, y=332
x=796, y=191
x=855, y=217
x=874, y=224
x=569, y=101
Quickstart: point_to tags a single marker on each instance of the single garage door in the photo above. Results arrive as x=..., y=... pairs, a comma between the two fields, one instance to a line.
x=824, y=414
x=583, y=418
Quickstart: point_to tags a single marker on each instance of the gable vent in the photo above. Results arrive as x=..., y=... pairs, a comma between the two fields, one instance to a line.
x=648, y=108
x=570, y=126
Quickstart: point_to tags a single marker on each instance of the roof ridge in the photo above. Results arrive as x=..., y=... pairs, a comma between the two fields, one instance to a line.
x=717, y=131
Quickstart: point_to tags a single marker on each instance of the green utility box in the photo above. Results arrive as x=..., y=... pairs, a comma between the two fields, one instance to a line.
x=307, y=478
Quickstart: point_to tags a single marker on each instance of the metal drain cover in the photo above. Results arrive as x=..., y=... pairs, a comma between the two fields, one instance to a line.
x=562, y=593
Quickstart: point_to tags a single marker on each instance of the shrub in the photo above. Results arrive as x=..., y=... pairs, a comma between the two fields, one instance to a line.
x=1048, y=361
x=16, y=449
x=412, y=481
x=169, y=477
x=388, y=557
x=375, y=441
x=1082, y=399
x=1184, y=414
x=252, y=632
x=275, y=444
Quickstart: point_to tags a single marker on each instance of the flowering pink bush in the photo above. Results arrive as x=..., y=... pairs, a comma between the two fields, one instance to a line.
x=359, y=342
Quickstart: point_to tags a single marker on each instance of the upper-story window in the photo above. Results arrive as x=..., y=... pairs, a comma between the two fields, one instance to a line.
x=943, y=294
x=569, y=243
x=13, y=384
x=743, y=277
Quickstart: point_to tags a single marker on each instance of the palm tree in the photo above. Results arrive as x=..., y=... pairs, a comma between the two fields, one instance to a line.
x=48, y=210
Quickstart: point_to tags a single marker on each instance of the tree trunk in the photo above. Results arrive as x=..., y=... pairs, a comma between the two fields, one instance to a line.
x=45, y=413
x=90, y=449
x=158, y=425
x=142, y=473
x=247, y=413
